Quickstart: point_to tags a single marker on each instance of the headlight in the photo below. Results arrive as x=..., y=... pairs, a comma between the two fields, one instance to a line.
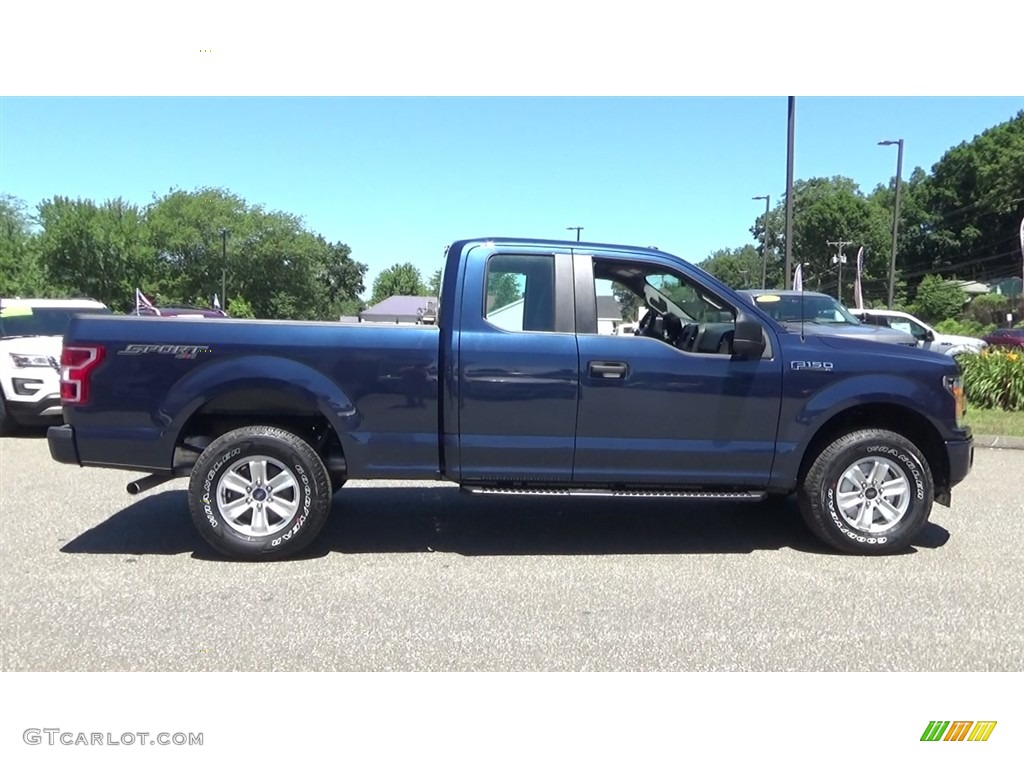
x=955, y=386
x=30, y=361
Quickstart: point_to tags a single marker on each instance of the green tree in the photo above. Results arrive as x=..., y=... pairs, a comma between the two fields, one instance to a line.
x=185, y=236
x=975, y=202
x=20, y=270
x=343, y=279
x=503, y=288
x=739, y=267
x=629, y=302
x=832, y=210
x=938, y=299
x=95, y=250
x=239, y=307
x=434, y=288
x=283, y=270
x=398, y=280
x=989, y=309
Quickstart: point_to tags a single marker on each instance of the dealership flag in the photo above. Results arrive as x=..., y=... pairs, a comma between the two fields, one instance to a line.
x=216, y=301
x=142, y=301
x=858, y=291
x=798, y=278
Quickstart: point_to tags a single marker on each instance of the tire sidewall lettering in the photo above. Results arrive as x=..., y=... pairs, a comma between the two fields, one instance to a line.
x=208, y=493
x=307, y=501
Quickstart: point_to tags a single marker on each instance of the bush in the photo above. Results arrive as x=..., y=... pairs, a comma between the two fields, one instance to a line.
x=989, y=308
x=994, y=379
x=239, y=307
x=938, y=299
x=965, y=328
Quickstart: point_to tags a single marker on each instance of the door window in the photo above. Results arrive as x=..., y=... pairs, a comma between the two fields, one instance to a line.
x=520, y=294
x=672, y=308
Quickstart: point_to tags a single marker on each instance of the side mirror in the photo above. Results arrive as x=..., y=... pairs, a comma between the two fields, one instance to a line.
x=929, y=336
x=748, y=339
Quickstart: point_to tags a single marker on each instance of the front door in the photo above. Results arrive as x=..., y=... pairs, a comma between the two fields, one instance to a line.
x=672, y=407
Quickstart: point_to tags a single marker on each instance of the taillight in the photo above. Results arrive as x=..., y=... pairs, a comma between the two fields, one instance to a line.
x=75, y=365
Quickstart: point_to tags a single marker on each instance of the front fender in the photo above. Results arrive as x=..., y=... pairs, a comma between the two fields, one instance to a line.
x=804, y=416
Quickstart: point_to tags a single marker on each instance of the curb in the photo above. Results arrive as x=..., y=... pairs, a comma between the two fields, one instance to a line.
x=998, y=441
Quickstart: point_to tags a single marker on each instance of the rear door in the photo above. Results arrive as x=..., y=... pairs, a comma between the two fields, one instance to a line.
x=517, y=374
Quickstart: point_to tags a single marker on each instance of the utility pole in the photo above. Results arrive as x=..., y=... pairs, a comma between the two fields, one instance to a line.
x=787, y=279
x=895, y=213
x=577, y=232
x=764, y=252
x=224, y=268
x=840, y=260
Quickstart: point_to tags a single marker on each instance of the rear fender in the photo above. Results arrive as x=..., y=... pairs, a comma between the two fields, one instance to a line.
x=264, y=372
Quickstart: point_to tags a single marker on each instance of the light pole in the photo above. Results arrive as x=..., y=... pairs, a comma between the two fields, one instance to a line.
x=224, y=268
x=790, y=133
x=764, y=253
x=577, y=232
x=895, y=215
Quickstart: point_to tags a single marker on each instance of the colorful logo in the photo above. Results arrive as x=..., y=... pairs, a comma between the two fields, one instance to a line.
x=958, y=730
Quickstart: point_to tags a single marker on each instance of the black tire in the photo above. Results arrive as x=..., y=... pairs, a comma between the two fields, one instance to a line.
x=264, y=526
x=862, y=525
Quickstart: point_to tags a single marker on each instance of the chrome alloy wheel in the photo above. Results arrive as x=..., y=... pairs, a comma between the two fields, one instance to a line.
x=258, y=496
x=873, y=495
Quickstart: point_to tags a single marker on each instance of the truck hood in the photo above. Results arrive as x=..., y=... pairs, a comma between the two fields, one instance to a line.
x=863, y=332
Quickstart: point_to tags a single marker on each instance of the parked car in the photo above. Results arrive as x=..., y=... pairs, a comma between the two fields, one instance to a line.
x=818, y=314
x=926, y=336
x=30, y=347
x=1006, y=337
x=179, y=310
x=712, y=399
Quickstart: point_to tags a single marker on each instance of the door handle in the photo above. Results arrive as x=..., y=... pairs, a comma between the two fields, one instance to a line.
x=604, y=370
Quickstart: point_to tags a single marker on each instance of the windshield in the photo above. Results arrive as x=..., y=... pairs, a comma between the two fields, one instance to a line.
x=823, y=310
x=40, y=321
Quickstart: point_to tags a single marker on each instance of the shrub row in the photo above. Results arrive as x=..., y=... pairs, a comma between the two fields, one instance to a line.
x=994, y=378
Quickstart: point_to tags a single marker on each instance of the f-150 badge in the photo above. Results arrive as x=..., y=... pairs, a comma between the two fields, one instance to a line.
x=810, y=365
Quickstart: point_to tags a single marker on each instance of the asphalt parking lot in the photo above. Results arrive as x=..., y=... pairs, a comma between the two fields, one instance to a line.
x=417, y=576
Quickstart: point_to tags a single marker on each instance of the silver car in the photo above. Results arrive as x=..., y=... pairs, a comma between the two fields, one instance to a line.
x=818, y=314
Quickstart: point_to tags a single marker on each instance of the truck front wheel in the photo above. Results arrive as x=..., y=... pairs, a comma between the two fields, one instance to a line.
x=869, y=492
x=259, y=493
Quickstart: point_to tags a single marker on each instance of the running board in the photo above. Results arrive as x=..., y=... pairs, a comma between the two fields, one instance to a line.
x=607, y=493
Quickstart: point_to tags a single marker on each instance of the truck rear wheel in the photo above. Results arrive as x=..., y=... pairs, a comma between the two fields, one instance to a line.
x=869, y=492
x=259, y=493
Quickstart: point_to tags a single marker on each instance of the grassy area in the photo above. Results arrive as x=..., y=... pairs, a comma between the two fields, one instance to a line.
x=985, y=421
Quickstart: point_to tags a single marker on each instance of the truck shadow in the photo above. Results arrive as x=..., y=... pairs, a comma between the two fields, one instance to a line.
x=442, y=519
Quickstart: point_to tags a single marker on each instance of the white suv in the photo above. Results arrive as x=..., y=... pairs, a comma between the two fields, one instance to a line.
x=31, y=337
x=927, y=337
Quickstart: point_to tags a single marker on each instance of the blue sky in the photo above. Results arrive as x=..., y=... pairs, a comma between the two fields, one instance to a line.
x=398, y=178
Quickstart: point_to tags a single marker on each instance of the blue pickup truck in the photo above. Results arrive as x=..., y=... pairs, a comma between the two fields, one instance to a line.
x=514, y=391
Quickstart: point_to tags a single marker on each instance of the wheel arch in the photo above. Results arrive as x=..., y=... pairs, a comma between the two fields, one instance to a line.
x=316, y=412
x=892, y=417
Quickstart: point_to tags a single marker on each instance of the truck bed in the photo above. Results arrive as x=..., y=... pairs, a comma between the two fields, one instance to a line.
x=376, y=385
